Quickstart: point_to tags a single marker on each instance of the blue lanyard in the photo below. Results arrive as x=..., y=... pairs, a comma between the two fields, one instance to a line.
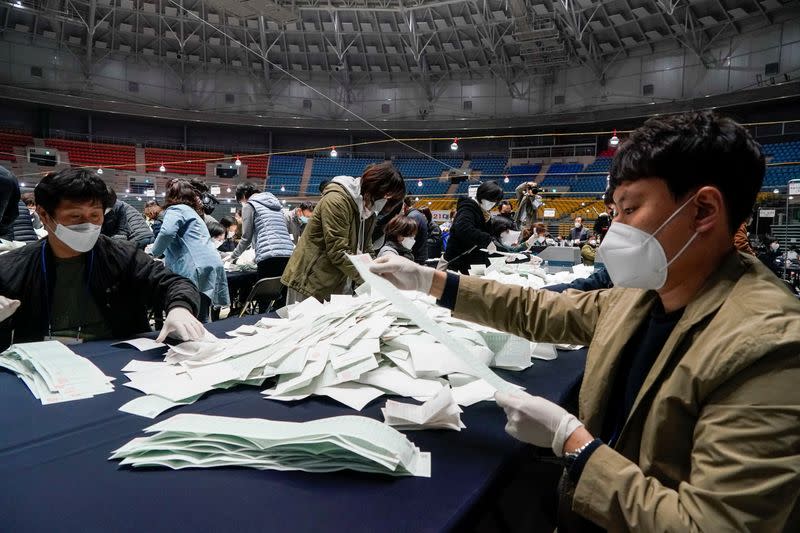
x=47, y=288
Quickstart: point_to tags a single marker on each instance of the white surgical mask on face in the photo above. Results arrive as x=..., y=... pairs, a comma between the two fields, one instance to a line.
x=378, y=205
x=774, y=246
x=634, y=258
x=487, y=205
x=407, y=243
x=592, y=242
x=304, y=219
x=79, y=237
x=508, y=238
x=577, y=224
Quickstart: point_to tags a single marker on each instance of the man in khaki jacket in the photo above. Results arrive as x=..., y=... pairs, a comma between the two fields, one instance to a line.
x=689, y=410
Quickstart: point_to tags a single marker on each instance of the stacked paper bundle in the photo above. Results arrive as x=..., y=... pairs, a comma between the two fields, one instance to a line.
x=54, y=373
x=531, y=275
x=352, y=349
x=326, y=445
x=440, y=412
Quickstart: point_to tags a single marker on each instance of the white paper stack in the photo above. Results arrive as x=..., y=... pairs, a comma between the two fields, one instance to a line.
x=352, y=349
x=440, y=412
x=54, y=373
x=326, y=445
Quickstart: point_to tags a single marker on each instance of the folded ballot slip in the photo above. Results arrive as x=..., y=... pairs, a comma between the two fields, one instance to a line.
x=440, y=412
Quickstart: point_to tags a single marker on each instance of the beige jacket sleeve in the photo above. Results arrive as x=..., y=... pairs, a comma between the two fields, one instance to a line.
x=540, y=315
x=745, y=464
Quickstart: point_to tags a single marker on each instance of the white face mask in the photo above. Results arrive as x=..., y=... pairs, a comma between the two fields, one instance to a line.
x=634, y=258
x=378, y=205
x=508, y=238
x=592, y=242
x=487, y=205
x=79, y=237
x=407, y=243
x=577, y=224
x=774, y=246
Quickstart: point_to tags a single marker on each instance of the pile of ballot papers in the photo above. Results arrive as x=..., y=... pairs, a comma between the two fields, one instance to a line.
x=325, y=445
x=352, y=349
x=530, y=275
x=54, y=373
x=440, y=412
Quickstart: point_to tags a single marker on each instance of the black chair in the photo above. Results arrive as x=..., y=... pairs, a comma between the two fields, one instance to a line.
x=266, y=289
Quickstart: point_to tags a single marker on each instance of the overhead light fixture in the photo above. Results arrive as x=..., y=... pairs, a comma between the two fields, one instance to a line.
x=163, y=194
x=162, y=168
x=454, y=146
x=419, y=183
x=127, y=191
x=776, y=191
x=430, y=203
x=283, y=189
x=238, y=161
x=613, y=142
x=100, y=171
x=22, y=184
x=334, y=153
x=416, y=199
x=505, y=180
x=228, y=189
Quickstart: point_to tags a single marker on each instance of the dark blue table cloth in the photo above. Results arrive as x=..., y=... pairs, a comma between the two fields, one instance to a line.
x=55, y=474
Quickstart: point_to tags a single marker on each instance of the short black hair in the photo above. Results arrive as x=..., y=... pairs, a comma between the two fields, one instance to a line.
x=692, y=150
x=322, y=185
x=306, y=206
x=504, y=203
x=490, y=190
x=245, y=190
x=227, y=221
x=75, y=184
x=215, y=229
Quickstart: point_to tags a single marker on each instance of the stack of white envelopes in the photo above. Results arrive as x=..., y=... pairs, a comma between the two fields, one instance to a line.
x=353, y=349
x=325, y=445
x=54, y=373
x=440, y=412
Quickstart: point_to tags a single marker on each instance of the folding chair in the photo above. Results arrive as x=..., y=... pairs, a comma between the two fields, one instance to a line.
x=269, y=289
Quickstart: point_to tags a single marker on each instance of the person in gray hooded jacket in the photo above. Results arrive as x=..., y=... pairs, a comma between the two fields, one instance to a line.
x=263, y=225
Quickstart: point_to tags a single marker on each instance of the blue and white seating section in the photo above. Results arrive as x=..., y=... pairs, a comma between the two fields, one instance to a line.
x=779, y=176
x=425, y=168
x=490, y=167
x=519, y=174
x=285, y=172
x=561, y=174
x=325, y=168
x=593, y=182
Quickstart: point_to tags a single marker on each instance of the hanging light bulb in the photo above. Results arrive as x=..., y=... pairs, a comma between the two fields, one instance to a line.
x=162, y=168
x=163, y=194
x=334, y=153
x=454, y=146
x=419, y=183
x=22, y=184
x=613, y=142
x=283, y=189
x=416, y=199
x=127, y=191
x=100, y=171
x=775, y=191
x=505, y=180
x=238, y=161
x=228, y=189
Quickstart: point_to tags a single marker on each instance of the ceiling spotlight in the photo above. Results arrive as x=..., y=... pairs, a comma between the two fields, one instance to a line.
x=100, y=171
x=283, y=189
x=454, y=146
x=163, y=194
x=776, y=191
x=127, y=191
x=505, y=180
x=17, y=4
x=613, y=142
x=429, y=203
x=416, y=199
x=238, y=161
x=162, y=168
x=419, y=183
x=228, y=189
x=22, y=184
x=284, y=202
x=334, y=153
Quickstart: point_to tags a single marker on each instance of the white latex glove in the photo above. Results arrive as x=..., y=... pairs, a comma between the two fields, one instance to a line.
x=537, y=421
x=183, y=324
x=7, y=307
x=403, y=273
x=492, y=248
